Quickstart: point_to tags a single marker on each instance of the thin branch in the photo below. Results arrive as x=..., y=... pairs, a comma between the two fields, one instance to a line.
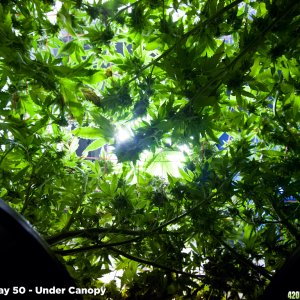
x=122, y=10
x=95, y=247
x=85, y=232
x=281, y=120
x=28, y=194
x=77, y=205
x=185, y=36
x=6, y=153
x=255, y=43
x=154, y=264
x=90, y=232
x=269, y=222
x=244, y=260
x=252, y=46
x=175, y=219
x=291, y=228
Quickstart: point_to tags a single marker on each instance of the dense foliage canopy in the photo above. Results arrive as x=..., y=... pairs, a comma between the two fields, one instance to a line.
x=202, y=200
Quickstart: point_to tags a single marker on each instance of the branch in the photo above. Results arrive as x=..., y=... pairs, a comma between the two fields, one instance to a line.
x=6, y=153
x=89, y=232
x=28, y=192
x=185, y=36
x=154, y=264
x=252, y=46
x=122, y=10
x=77, y=205
x=95, y=247
x=291, y=228
x=193, y=208
x=281, y=120
x=244, y=260
x=255, y=43
x=175, y=219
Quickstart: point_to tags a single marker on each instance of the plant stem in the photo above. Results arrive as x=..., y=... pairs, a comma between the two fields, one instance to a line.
x=89, y=232
x=28, y=193
x=75, y=209
x=292, y=229
x=154, y=264
x=244, y=260
x=184, y=37
x=95, y=247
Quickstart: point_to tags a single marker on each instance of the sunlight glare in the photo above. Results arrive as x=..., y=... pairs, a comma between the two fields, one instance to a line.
x=184, y=148
x=123, y=134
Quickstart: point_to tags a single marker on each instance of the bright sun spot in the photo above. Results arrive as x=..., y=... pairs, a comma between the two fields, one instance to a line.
x=163, y=162
x=184, y=148
x=52, y=15
x=176, y=14
x=123, y=134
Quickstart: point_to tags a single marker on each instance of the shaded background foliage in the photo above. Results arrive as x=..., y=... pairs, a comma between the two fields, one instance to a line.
x=188, y=72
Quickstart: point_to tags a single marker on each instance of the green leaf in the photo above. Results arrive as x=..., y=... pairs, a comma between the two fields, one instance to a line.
x=96, y=78
x=103, y=123
x=89, y=132
x=68, y=90
x=187, y=176
x=153, y=45
x=66, y=20
x=114, y=183
x=245, y=93
x=201, y=101
x=95, y=145
x=68, y=48
x=190, y=71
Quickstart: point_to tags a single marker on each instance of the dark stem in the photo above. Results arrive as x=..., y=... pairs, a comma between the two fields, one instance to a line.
x=28, y=193
x=6, y=153
x=75, y=209
x=175, y=219
x=122, y=10
x=154, y=264
x=95, y=247
x=244, y=260
x=292, y=229
x=184, y=37
x=252, y=46
x=91, y=232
